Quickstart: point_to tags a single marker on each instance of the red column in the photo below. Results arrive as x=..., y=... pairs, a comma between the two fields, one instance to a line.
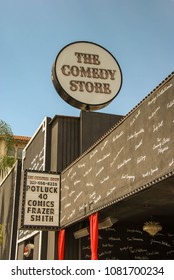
x=94, y=236
x=61, y=244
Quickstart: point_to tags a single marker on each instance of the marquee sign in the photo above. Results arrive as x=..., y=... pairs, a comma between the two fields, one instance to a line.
x=134, y=155
x=40, y=208
x=86, y=75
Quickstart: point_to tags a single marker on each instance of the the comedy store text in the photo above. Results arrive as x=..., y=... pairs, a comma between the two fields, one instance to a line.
x=104, y=76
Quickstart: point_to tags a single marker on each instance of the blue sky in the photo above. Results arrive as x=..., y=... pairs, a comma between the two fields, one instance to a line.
x=139, y=34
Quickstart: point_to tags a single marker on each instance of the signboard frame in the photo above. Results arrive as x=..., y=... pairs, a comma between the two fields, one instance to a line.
x=82, y=75
x=41, y=200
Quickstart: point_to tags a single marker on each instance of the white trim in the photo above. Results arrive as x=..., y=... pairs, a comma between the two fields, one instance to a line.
x=27, y=236
x=40, y=245
x=14, y=197
x=44, y=130
x=9, y=171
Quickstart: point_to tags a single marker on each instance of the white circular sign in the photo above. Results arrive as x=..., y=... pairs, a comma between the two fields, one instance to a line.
x=86, y=75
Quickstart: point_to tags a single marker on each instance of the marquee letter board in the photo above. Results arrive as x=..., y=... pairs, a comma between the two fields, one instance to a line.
x=40, y=207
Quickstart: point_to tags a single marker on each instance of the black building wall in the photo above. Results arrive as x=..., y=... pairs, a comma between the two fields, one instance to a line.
x=9, y=206
x=65, y=141
x=36, y=157
x=128, y=241
x=70, y=137
x=93, y=126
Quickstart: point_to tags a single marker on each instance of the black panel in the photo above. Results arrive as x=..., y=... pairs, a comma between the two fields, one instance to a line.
x=9, y=205
x=130, y=242
x=16, y=209
x=71, y=244
x=37, y=152
x=64, y=142
x=94, y=126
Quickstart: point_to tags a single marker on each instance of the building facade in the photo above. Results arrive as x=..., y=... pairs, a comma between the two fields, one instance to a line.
x=119, y=167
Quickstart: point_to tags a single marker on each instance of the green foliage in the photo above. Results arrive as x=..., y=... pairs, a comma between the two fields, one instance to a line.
x=5, y=129
x=6, y=161
x=7, y=135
